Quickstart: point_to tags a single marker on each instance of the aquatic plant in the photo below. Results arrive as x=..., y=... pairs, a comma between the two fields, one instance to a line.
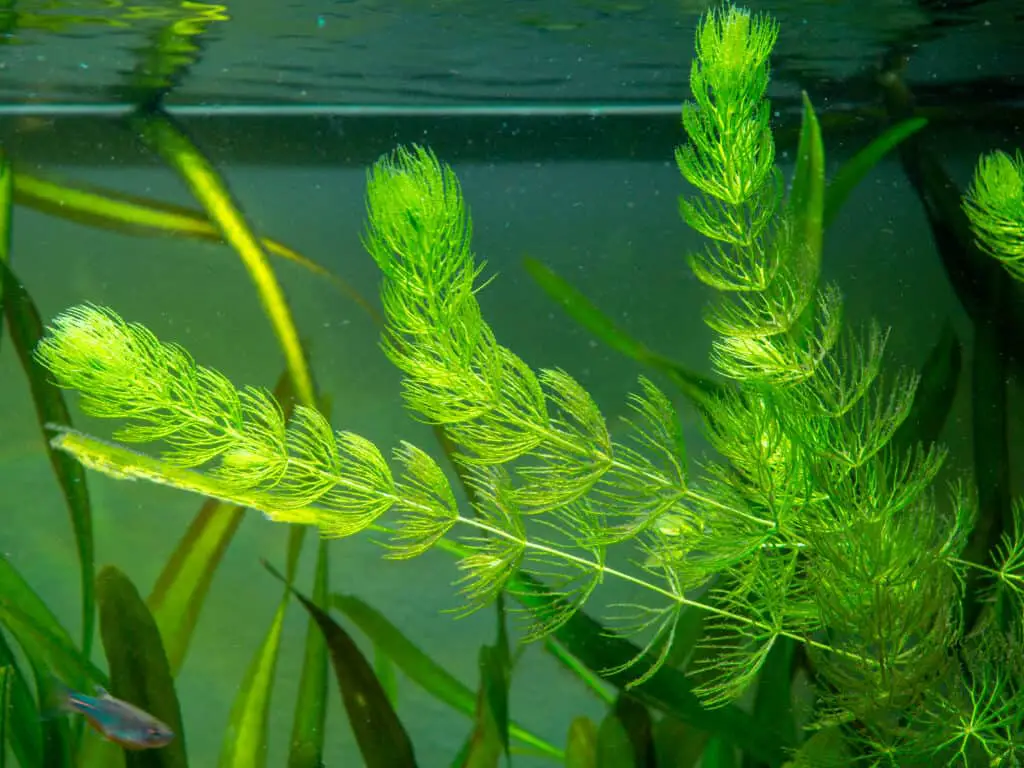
x=815, y=527
x=995, y=205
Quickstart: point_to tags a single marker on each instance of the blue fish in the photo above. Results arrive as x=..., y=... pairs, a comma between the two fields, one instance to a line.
x=117, y=720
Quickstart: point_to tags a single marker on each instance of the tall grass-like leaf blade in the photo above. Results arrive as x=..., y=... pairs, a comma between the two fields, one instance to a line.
x=245, y=744
x=165, y=137
x=139, y=671
x=857, y=167
x=591, y=680
x=489, y=738
x=935, y=392
x=6, y=678
x=700, y=390
x=719, y=754
x=773, y=702
x=382, y=739
x=807, y=197
x=58, y=736
x=496, y=673
x=386, y=671
x=22, y=719
x=667, y=690
x=483, y=748
x=613, y=747
x=581, y=744
x=50, y=652
x=41, y=636
x=137, y=215
x=583, y=311
x=26, y=328
x=635, y=718
x=678, y=744
x=181, y=588
x=6, y=217
x=407, y=656
x=424, y=671
x=307, y=746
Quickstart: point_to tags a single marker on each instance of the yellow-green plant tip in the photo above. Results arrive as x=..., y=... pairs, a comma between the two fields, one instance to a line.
x=995, y=206
x=239, y=443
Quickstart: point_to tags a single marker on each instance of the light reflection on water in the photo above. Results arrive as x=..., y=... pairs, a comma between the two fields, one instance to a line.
x=475, y=51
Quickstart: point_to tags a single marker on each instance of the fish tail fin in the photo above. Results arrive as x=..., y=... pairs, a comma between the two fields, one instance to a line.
x=55, y=697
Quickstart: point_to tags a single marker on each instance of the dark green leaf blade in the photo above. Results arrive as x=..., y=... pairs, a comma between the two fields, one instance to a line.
x=6, y=215
x=678, y=744
x=22, y=721
x=773, y=702
x=26, y=328
x=409, y=658
x=614, y=749
x=719, y=754
x=6, y=678
x=139, y=672
x=41, y=636
x=50, y=653
x=857, y=167
x=387, y=673
x=307, y=747
x=638, y=726
x=591, y=680
x=581, y=744
x=700, y=390
x=421, y=669
x=490, y=735
x=668, y=690
x=383, y=740
x=483, y=748
x=57, y=734
x=115, y=211
x=935, y=393
x=245, y=744
x=806, y=202
x=180, y=591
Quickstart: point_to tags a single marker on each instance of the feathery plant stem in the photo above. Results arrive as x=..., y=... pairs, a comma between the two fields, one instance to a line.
x=99, y=354
x=994, y=204
x=812, y=526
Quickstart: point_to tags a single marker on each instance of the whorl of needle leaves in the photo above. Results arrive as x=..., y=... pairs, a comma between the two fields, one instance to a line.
x=995, y=206
x=807, y=436
x=811, y=527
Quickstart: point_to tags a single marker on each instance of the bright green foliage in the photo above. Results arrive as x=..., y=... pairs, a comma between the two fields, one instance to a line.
x=812, y=526
x=854, y=540
x=995, y=205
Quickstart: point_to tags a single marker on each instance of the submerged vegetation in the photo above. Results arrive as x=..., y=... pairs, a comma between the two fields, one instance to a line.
x=817, y=547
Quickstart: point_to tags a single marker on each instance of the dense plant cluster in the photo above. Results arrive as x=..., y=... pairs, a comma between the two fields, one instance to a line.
x=813, y=526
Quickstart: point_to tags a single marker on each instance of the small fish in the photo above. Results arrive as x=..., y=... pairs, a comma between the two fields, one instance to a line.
x=117, y=720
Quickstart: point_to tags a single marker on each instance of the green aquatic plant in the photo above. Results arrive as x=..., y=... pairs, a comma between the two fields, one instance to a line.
x=814, y=527
x=995, y=206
